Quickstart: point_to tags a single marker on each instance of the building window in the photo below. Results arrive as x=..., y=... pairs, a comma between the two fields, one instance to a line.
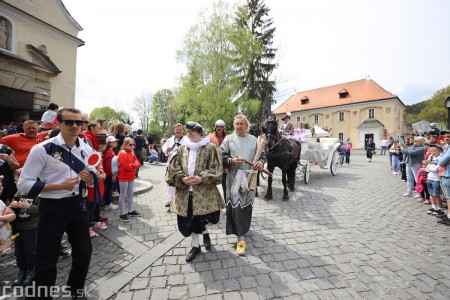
x=316, y=119
x=298, y=120
x=341, y=116
x=343, y=94
x=341, y=136
x=371, y=113
x=304, y=100
x=5, y=34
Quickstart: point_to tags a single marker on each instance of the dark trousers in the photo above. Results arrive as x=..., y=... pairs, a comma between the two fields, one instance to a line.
x=138, y=154
x=25, y=249
x=94, y=211
x=347, y=157
x=369, y=154
x=403, y=169
x=116, y=186
x=107, y=195
x=425, y=194
x=224, y=185
x=55, y=217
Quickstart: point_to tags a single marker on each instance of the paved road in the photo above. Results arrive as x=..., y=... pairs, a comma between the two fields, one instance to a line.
x=350, y=236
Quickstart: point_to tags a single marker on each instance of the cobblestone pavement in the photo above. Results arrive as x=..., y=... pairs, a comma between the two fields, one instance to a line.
x=350, y=236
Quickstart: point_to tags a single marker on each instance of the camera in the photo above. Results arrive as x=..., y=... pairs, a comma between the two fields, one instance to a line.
x=5, y=149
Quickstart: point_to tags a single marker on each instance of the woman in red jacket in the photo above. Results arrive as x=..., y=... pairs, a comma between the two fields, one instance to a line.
x=128, y=163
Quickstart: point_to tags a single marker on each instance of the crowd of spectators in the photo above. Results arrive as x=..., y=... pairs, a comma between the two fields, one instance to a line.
x=422, y=162
x=118, y=144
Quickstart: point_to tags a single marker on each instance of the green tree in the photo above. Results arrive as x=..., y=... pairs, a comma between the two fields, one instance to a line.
x=255, y=59
x=434, y=109
x=211, y=85
x=163, y=114
x=155, y=128
x=104, y=113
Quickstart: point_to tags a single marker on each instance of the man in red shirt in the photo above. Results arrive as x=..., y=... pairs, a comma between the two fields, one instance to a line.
x=22, y=143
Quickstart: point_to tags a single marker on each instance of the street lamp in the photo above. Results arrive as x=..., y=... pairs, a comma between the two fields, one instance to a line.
x=447, y=104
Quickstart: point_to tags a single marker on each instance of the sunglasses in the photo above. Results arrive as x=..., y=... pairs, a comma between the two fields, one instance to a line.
x=71, y=122
x=131, y=144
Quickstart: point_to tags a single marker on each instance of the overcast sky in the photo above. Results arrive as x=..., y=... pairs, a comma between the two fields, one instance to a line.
x=403, y=45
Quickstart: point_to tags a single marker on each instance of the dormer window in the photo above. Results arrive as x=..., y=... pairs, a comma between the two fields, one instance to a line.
x=343, y=94
x=304, y=100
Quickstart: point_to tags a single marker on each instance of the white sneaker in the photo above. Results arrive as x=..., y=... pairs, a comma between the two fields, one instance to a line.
x=394, y=173
x=407, y=194
x=111, y=206
x=417, y=196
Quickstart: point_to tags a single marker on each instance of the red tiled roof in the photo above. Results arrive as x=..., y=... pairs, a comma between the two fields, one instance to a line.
x=363, y=90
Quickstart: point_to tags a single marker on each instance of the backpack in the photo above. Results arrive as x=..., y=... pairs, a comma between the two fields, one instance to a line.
x=115, y=165
x=348, y=147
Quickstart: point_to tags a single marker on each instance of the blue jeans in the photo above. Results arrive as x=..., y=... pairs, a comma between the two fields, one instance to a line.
x=411, y=172
x=445, y=186
x=383, y=150
x=395, y=164
x=434, y=187
x=152, y=159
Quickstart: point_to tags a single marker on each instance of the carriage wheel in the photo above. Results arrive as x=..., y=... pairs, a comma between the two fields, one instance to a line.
x=334, y=166
x=306, y=172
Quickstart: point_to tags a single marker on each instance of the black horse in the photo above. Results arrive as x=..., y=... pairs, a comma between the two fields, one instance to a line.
x=282, y=153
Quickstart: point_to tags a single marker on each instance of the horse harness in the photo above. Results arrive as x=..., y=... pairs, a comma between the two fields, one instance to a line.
x=288, y=148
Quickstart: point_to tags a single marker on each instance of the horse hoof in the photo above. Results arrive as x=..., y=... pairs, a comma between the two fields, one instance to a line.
x=292, y=189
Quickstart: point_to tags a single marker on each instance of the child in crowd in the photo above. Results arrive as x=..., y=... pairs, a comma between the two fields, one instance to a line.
x=348, y=148
x=98, y=222
x=434, y=181
x=128, y=163
x=6, y=216
x=421, y=183
x=111, y=144
x=24, y=230
x=153, y=155
x=24, y=234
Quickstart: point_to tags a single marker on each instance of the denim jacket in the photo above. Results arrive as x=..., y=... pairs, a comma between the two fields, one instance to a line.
x=444, y=162
x=414, y=154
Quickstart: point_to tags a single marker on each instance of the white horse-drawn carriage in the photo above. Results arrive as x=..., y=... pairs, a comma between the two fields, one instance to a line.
x=318, y=148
